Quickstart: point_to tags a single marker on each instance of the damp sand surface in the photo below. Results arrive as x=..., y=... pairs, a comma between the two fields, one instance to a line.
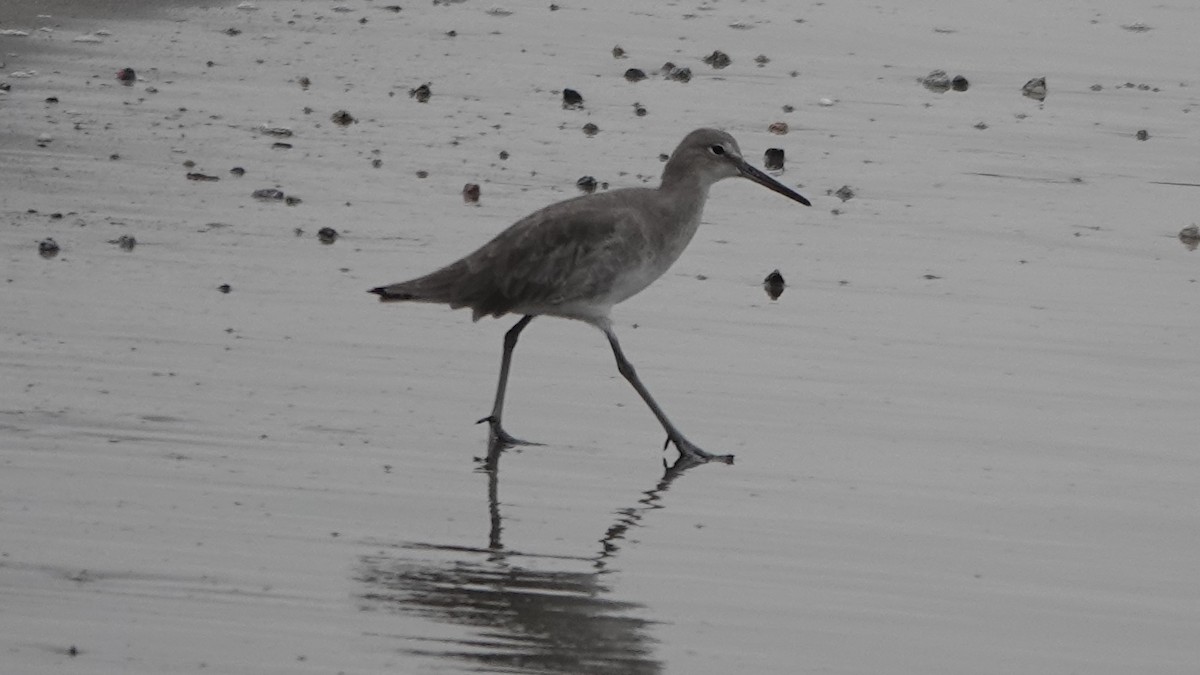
x=965, y=434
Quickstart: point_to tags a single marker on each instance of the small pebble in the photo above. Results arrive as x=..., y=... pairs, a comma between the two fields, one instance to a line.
x=292, y=201
x=635, y=75
x=268, y=195
x=125, y=242
x=376, y=163
x=591, y=129
x=48, y=248
x=305, y=83
x=618, y=53
x=279, y=145
x=773, y=159
x=936, y=81
x=202, y=177
x=470, y=193
x=238, y=171
x=127, y=76
x=224, y=288
x=844, y=193
x=1190, y=237
x=778, y=128
x=421, y=93
x=327, y=235
x=762, y=60
x=586, y=184
x=680, y=74
x=571, y=100
x=959, y=83
x=639, y=110
x=503, y=154
x=1142, y=135
x=342, y=118
x=774, y=285
x=718, y=60
x=278, y=132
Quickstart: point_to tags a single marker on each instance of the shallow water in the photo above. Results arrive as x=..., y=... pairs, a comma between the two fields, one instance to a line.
x=964, y=434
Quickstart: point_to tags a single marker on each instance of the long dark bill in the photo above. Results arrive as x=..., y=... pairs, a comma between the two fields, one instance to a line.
x=766, y=181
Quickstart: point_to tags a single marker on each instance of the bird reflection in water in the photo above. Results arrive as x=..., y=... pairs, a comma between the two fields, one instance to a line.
x=531, y=613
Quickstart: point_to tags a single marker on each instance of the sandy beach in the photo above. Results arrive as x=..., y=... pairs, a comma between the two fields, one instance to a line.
x=965, y=432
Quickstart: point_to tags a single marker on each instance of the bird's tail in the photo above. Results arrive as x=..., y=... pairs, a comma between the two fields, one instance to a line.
x=442, y=286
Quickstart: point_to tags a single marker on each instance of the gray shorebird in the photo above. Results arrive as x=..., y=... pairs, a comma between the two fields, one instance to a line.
x=577, y=258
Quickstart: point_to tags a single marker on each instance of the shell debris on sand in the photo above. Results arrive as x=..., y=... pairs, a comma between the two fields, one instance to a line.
x=1035, y=89
x=470, y=193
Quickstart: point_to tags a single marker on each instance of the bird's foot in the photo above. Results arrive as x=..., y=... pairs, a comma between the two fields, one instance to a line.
x=498, y=437
x=693, y=452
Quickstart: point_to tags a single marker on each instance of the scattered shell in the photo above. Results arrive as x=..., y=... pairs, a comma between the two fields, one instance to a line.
x=292, y=201
x=844, y=193
x=238, y=171
x=281, y=146
x=248, y=7
x=278, y=132
x=981, y=125
x=936, y=81
x=639, y=110
x=635, y=75
x=1190, y=237
x=762, y=60
x=1142, y=135
x=572, y=100
x=1097, y=87
x=1137, y=27
x=48, y=248
x=587, y=184
x=342, y=118
x=392, y=8
x=23, y=74
x=90, y=38
x=125, y=242
x=826, y=102
x=232, y=32
x=224, y=288
x=202, y=177
x=778, y=128
x=618, y=53
x=470, y=193
x=718, y=59
x=1035, y=89
x=421, y=173
x=680, y=74
x=774, y=285
x=268, y=195
x=12, y=32
x=327, y=235
x=421, y=93
x=773, y=159
x=667, y=68
x=590, y=129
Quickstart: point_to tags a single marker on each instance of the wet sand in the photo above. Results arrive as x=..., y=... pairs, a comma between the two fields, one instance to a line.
x=964, y=432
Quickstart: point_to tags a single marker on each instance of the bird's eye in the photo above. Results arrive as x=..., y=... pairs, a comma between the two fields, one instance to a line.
x=717, y=150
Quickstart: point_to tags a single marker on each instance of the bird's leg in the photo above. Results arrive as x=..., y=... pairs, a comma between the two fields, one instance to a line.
x=500, y=437
x=685, y=447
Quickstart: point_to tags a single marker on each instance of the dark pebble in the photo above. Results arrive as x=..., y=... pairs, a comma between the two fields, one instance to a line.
x=635, y=75
x=774, y=159
x=1142, y=135
x=342, y=118
x=127, y=76
x=680, y=74
x=327, y=235
x=844, y=193
x=292, y=201
x=591, y=129
x=639, y=110
x=774, y=285
x=718, y=59
x=238, y=171
x=281, y=146
x=268, y=194
x=202, y=177
x=470, y=193
x=224, y=288
x=126, y=242
x=572, y=100
x=421, y=93
x=959, y=83
x=48, y=248
x=587, y=184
